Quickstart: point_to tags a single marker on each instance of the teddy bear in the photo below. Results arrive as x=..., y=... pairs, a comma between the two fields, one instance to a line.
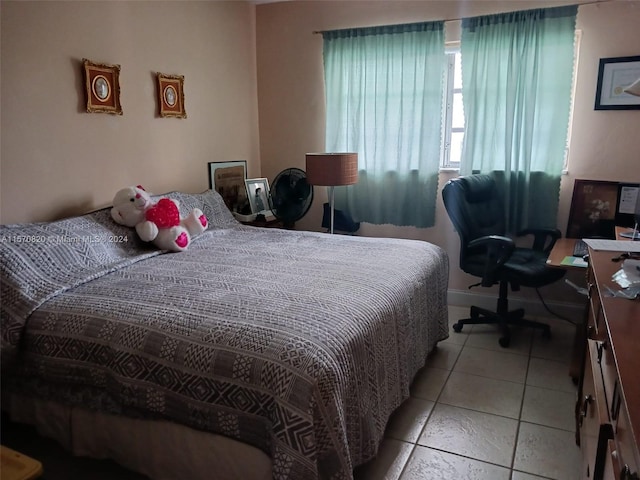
x=157, y=222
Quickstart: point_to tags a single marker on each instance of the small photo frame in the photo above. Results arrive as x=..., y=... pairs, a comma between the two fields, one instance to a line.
x=614, y=76
x=171, y=96
x=258, y=192
x=228, y=179
x=102, y=85
x=593, y=209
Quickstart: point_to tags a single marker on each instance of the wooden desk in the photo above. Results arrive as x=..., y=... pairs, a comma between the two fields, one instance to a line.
x=562, y=248
x=608, y=408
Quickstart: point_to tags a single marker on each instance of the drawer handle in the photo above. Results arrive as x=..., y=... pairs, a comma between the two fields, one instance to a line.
x=600, y=347
x=585, y=407
x=626, y=474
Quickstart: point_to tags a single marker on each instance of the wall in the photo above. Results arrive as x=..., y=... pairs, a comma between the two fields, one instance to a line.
x=58, y=160
x=604, y=145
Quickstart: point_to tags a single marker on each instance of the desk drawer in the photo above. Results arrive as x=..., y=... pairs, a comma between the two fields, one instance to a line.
x=592, y=416
x=627, y=450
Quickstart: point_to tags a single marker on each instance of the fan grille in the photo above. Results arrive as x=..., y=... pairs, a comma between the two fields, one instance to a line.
x=291, y=195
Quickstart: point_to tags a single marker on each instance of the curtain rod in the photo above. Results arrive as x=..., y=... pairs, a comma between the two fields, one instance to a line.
x=317, y=32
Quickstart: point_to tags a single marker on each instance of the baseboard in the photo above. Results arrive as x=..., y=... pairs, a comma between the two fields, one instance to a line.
x=532, y=306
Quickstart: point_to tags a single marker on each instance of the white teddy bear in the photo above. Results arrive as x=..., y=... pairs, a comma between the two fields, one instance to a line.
x=158, y=222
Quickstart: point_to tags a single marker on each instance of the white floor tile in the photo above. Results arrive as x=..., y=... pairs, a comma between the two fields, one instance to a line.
x=551, y=408
x=444, y=356
x=407, y=421
x=429, y=382
x=487, y=336
x=388, y=465
x=548, y=452
x=429, y=464
x=483, y=394
x=524, y=476
x=493, y=364
x=455, y=314
x=481, y=436
x=550, y=374
x=559, y=347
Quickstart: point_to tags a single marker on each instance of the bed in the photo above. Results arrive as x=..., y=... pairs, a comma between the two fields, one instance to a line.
x=263, y=353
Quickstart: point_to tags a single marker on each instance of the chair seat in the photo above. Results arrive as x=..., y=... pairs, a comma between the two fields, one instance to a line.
x=525, y=267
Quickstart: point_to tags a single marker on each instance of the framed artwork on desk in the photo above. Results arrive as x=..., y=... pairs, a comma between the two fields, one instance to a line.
x=593, y=209
x=258, y=191
x=227, y=178
x=628, y=211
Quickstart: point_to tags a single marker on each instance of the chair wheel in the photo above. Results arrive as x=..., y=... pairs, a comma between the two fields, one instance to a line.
x=504, y=342
x=457, y=327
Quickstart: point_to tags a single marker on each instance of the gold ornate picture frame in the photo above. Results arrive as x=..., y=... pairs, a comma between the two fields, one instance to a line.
x=171, y=96
x=102, y=87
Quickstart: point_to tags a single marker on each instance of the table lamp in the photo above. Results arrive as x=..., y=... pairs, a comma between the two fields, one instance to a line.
x=332, y=170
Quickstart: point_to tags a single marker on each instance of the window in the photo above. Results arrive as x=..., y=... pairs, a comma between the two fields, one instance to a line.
x=453, y=112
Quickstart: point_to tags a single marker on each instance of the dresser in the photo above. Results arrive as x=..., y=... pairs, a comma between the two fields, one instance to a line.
x=608, y=405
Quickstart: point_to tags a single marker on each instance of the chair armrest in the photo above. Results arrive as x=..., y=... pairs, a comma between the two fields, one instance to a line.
x=543, y=238
x=499, y=249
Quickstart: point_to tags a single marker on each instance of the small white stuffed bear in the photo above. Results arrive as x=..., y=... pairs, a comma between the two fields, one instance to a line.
x=158, y=222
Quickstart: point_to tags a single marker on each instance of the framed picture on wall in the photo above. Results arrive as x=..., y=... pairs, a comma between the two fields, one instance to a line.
x=228, y=179
x=171, y=96
x=102, y=87
x=615, y=75
x=593, y=209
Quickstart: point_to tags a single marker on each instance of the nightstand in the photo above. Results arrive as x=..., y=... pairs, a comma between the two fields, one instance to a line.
x=16, y=466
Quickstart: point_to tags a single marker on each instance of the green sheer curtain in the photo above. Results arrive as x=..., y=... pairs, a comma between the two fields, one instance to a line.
x=384, y=101
x=517, y=71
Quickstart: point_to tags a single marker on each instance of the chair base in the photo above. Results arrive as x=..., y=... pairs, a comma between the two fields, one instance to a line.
x=503, y=320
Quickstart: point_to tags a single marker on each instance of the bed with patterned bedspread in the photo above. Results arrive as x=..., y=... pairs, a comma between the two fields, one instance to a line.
x=299, y=343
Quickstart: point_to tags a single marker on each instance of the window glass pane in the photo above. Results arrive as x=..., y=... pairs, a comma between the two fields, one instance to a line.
x=457, y=76
x=455, y=151
x=457, y=113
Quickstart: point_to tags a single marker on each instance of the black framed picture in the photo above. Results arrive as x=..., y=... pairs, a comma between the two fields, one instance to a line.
x=228, y=179
x=593, y=209
x=615, y=75
x=258, y=191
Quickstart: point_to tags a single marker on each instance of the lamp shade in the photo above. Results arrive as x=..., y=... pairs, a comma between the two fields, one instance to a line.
x=634, y=88
x=332, y=169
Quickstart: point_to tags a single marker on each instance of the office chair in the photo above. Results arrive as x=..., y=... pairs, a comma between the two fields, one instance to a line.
x=477, y=213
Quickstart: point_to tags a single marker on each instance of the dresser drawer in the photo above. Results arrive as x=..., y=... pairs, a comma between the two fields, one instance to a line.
x=592, y=416
x=608, y=410
x=626, y=449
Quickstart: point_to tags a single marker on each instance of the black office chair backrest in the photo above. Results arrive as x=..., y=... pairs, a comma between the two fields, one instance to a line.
x=475, y=208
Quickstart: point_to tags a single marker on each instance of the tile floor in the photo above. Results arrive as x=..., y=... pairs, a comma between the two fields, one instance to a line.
x=481, y=412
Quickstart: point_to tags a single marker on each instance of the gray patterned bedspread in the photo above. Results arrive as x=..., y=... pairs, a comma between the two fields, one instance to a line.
x=299, y=343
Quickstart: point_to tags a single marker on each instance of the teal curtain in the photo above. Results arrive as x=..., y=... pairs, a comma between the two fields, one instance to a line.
x=384, y=101
x=517, y=71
